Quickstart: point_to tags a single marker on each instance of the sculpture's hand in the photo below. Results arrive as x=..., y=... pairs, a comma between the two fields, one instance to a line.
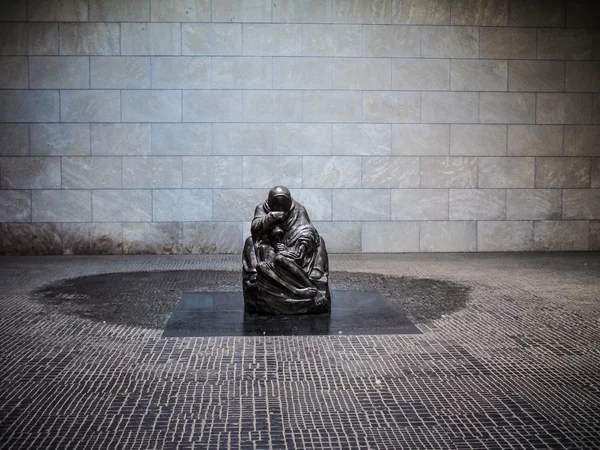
x=290, y=254
x=277, y=216
x=280, y=247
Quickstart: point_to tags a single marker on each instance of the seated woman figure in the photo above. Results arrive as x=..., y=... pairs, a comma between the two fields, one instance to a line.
x=285, y=264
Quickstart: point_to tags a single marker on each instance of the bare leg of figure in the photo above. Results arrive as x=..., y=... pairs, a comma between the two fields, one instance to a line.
x=290, y=267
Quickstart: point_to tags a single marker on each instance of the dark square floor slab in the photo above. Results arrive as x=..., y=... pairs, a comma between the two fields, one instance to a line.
x=204, y=314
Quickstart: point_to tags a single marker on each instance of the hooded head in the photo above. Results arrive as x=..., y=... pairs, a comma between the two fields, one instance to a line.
x=280, y=199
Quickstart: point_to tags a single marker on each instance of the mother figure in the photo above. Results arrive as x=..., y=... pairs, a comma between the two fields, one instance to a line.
x=285, y=264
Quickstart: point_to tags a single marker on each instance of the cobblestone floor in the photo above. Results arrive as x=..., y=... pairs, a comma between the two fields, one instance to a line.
x=509, y=357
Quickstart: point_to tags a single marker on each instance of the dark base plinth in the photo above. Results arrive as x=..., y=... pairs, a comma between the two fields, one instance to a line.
x=222, y=314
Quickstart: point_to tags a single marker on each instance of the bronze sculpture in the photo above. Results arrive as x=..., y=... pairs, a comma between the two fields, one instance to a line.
x=285, y=263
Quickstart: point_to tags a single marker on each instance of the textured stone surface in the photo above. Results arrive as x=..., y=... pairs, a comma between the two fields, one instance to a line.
x=419, y=204
x=362, y=73
x=365, y=139
x=421, y=12
x=390, y=237
x=581, y=204
x=29, y=106
x=242, y=139
x=152, y=238
x=91, y=172
x=332, y=40
x=30, y=173
x=449, y=172
x=513, y=43
x=51, y=10
x=390, y=172
x=119, y=10
x=14, y=139
x=508, y=172
x=572, y=235
x=212, y=106
x=65, y=139
x=421, y=140
x=420, y=74
x=268, y=171
x=212, y=171
x=540, y=76
x=340, y=237
x=213, y=237
x=180, y=73
x=272, y=106
x=15, y=206
x=332, y=106
x=180, y=10
x=455, y=236
x=303, y=139
x=241, y=11
x=449, y=42
x=271, y=40
x=181, y=139
x=361, y=204
x=510, y=236
x=582, y=76
x=564, y=108
x=583, y=13
x=533, y=204
x=152, y=172
x=331, y=171
x=507, y=107
x=43, y=38
x=211, y=39
x=126, y=72
x=61, y=206
x=151, y=106
x=477, y=204
x=236, y=204
x=302, y=11
x=557, y=43
x=120, y=139
x=582, y=140
x=478, y=140
x=92, y=238
x=390, y=40
x=362, y=11
x=152, y=39
x=535, y=140
x=118, y=205
x=537, y=13
x=13, y=39
x=452, y=99
x=186, y=205
x=594, y=240
x=89, y=39
x=31, y=239
x=90, y=106
x=480, y=12
x=234, y=72
x=566, y=172
x=59, y=72
x=318, y=202
x=449, y=107
x=391, y=106
x=14, y=72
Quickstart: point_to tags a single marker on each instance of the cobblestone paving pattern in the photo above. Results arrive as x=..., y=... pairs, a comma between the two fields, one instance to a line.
x=515, y=364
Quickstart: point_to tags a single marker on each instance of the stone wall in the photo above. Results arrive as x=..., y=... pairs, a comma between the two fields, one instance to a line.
x=156, y=126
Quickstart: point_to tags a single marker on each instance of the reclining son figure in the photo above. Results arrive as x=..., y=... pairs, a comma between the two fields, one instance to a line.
x=285, y=263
